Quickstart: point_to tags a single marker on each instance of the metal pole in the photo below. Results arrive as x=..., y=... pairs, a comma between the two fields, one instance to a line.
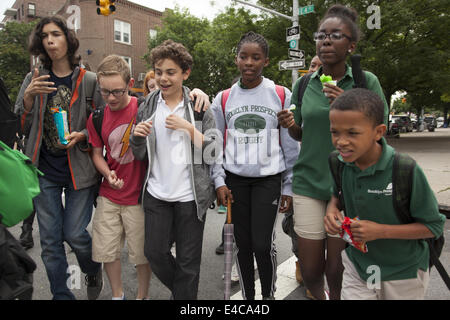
x=295, y=20
x=266, y=9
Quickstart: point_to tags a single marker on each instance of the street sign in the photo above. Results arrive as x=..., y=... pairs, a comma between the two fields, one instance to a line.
x=291, y=64
x=298, y=54
x=293, y=44
x=293, y=33
x=305, y=10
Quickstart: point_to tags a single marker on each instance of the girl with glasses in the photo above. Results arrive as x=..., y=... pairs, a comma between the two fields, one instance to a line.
x=336, y=39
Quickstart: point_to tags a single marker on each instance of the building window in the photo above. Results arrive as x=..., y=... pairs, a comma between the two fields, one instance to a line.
x=32, y=9
x=128, y=60
x=122, y=32
x=153, y=33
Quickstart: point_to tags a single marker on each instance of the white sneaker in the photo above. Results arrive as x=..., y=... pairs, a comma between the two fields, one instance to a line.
x=234, y=273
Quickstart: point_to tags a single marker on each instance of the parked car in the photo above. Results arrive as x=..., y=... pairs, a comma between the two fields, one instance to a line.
x=404, y=122
x=440, y=122
x=430, y=123
x=394, y=130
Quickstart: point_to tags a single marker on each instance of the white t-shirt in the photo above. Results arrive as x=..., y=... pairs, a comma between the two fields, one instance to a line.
x=170, y=177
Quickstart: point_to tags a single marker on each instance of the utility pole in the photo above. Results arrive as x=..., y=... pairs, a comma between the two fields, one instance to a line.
x=295, y=23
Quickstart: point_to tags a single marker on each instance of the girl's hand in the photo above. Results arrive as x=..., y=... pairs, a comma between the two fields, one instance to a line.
x=175, y=122
x=286, y=118
x=223, y=194
x=365, y=230
x=286, y=203
x=114, y=181
x=332, y=92
x=333, y=219
x=143, y=129
x=202, y=100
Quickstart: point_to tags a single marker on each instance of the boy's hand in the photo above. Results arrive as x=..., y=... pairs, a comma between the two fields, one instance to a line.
x=143, y=129
x=223, y=194
x=114, y=181
x=286, y=118
x=38, y=85
x=286, y=203
x=74, y=138
x=333, y=219
x=365, y=230
x=332, y=92
x=201, y=100
x=175, y=122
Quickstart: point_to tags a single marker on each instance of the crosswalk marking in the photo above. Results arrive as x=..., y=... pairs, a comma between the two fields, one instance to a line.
x=286, y=282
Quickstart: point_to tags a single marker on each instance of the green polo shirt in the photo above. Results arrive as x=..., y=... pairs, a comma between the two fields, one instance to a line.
x=368, y=195
x=312, y=176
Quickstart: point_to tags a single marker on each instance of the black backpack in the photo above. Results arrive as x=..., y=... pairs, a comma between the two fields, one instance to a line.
x=402, y=177
x=16, y=269
x=9, y=121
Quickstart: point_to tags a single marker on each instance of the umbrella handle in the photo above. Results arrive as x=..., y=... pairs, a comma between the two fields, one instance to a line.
x=228, y=210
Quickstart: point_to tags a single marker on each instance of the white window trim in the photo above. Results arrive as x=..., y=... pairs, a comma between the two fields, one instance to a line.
x=128, y=60
x=121, y=32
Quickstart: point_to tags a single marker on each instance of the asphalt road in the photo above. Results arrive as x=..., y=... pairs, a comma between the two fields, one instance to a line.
x=432, y=152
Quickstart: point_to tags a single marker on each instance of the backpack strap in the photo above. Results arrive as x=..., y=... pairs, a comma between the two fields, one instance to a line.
x=337, y=168
x=97, y=120
x=281, y=94
x=90, y=79
x=225, y=96
x=359, y=77
x=402, y=178
x=304, y=81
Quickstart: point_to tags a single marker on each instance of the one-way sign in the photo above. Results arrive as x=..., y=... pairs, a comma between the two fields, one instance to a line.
x=291, y=64
x=299, y=54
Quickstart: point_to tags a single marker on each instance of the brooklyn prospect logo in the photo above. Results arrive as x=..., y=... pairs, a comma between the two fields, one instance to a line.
x=250, y=123
x=386, y=192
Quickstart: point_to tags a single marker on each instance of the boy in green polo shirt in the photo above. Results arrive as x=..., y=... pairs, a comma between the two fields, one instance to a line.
x=396, y=264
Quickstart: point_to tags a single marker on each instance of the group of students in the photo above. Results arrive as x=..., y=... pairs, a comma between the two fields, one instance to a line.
x=168, y=160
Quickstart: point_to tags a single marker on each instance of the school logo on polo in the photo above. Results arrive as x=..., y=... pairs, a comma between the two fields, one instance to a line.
x=387, y=191
x=250, y=123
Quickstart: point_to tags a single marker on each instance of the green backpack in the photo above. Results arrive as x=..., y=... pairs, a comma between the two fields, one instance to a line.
x=402, y=177
x=19, y=184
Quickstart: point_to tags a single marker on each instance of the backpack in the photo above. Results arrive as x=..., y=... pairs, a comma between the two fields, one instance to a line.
x=19, y=184
x=402, y=177
x=225, y=95
x=9, y=121
x=16, y=269
x=358, y=77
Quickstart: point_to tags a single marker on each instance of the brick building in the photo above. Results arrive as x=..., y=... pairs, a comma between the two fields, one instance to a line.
x=124, y=33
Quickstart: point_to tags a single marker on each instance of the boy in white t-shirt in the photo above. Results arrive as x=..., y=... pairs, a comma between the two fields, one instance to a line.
x=178, y=189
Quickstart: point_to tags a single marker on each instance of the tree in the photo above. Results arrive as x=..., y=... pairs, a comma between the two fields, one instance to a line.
x=14, y=55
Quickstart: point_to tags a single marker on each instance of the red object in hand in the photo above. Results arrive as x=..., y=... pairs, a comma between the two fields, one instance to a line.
x=346, y=235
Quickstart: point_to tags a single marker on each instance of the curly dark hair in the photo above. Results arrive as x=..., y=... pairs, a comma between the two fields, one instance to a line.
x=175, y=51
x=36, y=47
x=348, y=16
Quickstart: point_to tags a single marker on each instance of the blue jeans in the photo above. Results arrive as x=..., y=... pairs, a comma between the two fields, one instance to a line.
x=58, y=223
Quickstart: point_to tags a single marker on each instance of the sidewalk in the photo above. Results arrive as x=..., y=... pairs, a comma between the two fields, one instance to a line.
x=431, y=150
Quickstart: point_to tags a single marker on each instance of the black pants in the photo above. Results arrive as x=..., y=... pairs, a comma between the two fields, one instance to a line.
x=168, y=222
x=254, y=214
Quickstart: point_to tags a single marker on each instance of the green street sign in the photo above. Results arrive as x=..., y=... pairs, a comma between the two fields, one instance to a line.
x=305, y=10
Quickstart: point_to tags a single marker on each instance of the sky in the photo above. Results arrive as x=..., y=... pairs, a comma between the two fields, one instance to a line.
x=199, y=8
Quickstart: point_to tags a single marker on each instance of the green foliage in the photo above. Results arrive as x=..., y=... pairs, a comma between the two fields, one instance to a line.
x=14, y=55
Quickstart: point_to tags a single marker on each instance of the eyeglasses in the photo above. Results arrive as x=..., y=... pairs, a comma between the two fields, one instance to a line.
x=334, y=36
x=116, y=93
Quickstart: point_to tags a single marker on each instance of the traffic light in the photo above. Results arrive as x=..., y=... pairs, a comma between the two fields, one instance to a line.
x=107, y=7
x=404, y=100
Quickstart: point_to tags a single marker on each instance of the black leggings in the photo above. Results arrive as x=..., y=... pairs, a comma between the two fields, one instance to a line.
x=254, y=213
